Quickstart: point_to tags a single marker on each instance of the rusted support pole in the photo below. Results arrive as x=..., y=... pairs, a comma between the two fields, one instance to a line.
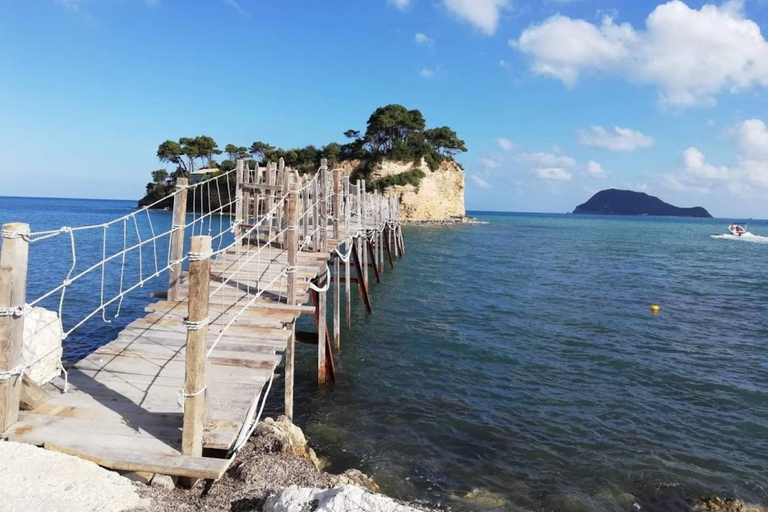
x=13, y=295
x=364, y=202
x=177, y=238
x=194, y=393
x=362, y=288
x=292, y=243
x=322, y=333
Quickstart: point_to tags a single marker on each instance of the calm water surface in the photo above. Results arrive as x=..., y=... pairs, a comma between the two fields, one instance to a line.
x=520, y=357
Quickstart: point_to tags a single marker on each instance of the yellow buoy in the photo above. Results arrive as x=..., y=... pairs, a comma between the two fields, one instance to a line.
x=655, y=308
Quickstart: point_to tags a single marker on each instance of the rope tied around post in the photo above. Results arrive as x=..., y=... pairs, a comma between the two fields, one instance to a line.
x=14, y=372
x=199, y=256
x=16, y=312
x=8, y=234
x=182, y=395
x=196, y=326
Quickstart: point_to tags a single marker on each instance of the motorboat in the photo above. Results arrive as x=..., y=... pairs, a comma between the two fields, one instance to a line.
x=736, y=230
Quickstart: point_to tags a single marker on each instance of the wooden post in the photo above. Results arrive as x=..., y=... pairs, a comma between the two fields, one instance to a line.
x=347, y=247
x=197, y=332
x=177, y=238
x=239, y=202
x=322, y=334
x=336, y=264
x=13, y=294
x=324, y=205
x=247, y=198
x=292, y=243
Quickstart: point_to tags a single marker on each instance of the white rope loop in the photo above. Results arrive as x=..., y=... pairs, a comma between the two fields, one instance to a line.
x=14, y=372
x=16, y=312
x=182, y=395
x=196, y=326
x=199, y=256
x=10, y=235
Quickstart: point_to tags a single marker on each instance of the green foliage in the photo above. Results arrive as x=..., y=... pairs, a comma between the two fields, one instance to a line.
x=160, y=177
x=444, y=141
x=413, y=177
x=259, y=150
x=235, y=153
x=188, y=149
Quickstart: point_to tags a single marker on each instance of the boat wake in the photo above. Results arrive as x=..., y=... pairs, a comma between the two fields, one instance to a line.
x=746, y=237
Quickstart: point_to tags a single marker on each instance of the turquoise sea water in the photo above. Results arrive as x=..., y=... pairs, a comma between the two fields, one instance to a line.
x=520, y=357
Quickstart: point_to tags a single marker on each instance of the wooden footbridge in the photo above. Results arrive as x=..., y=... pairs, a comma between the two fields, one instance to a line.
x=180, y=390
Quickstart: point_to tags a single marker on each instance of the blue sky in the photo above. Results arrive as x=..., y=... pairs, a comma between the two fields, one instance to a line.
x=556, y=99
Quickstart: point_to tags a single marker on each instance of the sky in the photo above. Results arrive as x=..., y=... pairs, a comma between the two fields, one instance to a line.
x=556, y=99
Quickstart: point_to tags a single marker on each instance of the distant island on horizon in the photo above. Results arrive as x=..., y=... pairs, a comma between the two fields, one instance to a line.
x=627, y=202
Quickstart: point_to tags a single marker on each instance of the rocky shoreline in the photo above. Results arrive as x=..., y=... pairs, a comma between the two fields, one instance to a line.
x=277, y=472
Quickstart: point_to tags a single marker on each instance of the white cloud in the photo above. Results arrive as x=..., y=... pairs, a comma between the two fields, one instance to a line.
x=618, y=139
x=553, y=174
x=748, y=175
x=690, y=55
x=427, y=73
x=753, y=151
x=236, y=6
x=483, y=14
x=401, y=4
x=595, y=169
x=505, y=144
x=424, y=39
x=548, y=159
x=480, y=182
x=696, y=165
x=489, y=163
x=504, y=64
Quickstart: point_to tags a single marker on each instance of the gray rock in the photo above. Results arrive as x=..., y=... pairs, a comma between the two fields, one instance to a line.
x=348, y=498
x=33, y=479
x=164, y=481
x=42, y=345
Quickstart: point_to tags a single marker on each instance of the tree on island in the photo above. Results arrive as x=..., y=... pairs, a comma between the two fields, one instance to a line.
x=188, y=149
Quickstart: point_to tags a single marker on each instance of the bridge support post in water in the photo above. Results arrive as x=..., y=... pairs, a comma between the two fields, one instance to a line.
x=13, y=296
x=292, y=243
x=194, y=393
x=177, y=237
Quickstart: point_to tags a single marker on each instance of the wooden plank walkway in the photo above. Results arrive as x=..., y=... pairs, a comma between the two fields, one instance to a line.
x=122, y=408
x=123, y=396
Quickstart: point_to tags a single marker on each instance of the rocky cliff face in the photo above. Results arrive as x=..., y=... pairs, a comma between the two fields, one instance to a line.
x=438, y=197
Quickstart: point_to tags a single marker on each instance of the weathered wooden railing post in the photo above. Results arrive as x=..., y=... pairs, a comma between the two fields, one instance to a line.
x=177, y=238
x=239, y=203
x=13, y=296
x=324, y=205
x=336, y=263
x=194, y=393
x=292, y=245
x=348, y=248
x=364, y=207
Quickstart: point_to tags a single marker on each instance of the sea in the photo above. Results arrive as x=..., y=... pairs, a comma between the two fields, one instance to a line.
x=515, y=364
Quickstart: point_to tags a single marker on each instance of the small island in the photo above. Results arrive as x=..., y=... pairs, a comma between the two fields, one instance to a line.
x=627, y=202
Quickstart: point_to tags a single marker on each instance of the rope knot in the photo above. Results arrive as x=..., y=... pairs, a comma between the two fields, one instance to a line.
x=14, y=234
x=182, y=395
x=196, y=326
x=14, y=372
x=200, y=256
